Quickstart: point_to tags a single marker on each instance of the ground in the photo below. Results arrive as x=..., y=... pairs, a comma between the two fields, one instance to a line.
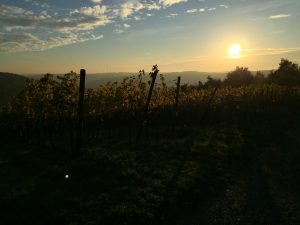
x=221, y=173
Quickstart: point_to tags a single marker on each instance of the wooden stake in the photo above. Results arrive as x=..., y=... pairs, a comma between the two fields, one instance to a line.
x=80, y=112
x=144, y=119
x=177, y=96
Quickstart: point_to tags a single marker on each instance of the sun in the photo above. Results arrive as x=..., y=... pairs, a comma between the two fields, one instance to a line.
x=234, y=51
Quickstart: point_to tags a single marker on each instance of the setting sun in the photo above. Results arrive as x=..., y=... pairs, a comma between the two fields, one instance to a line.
x=234, y=51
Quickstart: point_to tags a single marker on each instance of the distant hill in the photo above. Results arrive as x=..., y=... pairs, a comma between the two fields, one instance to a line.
x=93, y=80
x=10, y=86
x=191, y=77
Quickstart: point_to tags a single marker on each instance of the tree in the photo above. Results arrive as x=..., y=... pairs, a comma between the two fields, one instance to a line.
x=239, y=77
x=288, y=73
x=211, y=82
x=259, y=78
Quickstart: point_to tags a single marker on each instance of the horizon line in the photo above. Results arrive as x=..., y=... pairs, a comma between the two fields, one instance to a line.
x=136, y=72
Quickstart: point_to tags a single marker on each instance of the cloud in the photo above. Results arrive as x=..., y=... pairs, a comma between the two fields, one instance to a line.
x=20, y=42
x=35, y=3
x=128, y=8
x=5, y=10
x=211, y=9
x=96, y=1
x=46, y=27
x=224, y=6
x=270, y=51
x=137, y=18
x=118, y=31
x=91, y=11
x=191, y=10
x=12, y=18
x=202, y=10
x=121, y=28
x=44, y=15
x=172, y=15
x=17, y=37
x=279, y=16
x=261, y=6
x=171, y=2
x=153, y=6
x=278, y=32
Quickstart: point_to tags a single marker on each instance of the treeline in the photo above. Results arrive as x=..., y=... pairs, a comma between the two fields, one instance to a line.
x=287, y=74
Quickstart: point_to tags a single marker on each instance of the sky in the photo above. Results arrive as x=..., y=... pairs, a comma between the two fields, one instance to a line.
x=55, y=36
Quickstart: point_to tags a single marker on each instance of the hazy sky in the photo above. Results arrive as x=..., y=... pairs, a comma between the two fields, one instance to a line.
x=56, y=36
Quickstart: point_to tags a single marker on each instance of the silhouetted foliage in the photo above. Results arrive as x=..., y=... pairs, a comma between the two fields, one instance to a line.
x=200, y=85
x=288, y=73
x=50, y=104
x=211, y=82
x=10, y=86
x=259, y=78
x=47, y=98
x=239, y=77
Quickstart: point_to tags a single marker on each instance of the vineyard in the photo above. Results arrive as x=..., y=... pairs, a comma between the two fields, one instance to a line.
x=152, y=153
x=46, y=110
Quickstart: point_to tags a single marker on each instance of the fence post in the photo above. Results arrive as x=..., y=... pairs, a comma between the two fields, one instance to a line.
x=177, y=96
x=153, y=75
x=80, y=112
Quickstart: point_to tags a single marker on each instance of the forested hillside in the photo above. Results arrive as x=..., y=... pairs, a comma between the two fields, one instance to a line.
x=10, y=86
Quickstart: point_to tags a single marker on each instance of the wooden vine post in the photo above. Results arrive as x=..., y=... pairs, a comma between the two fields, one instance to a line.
x=144, y=119
x=177, y=96
x=80, y=112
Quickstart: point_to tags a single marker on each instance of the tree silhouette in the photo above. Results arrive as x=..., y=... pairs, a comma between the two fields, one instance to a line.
x=259, y=78
x=211, y=82
x=288, y=73
x=239, y=77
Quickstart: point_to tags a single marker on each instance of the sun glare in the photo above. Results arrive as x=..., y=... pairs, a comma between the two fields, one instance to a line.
x=234, y=51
